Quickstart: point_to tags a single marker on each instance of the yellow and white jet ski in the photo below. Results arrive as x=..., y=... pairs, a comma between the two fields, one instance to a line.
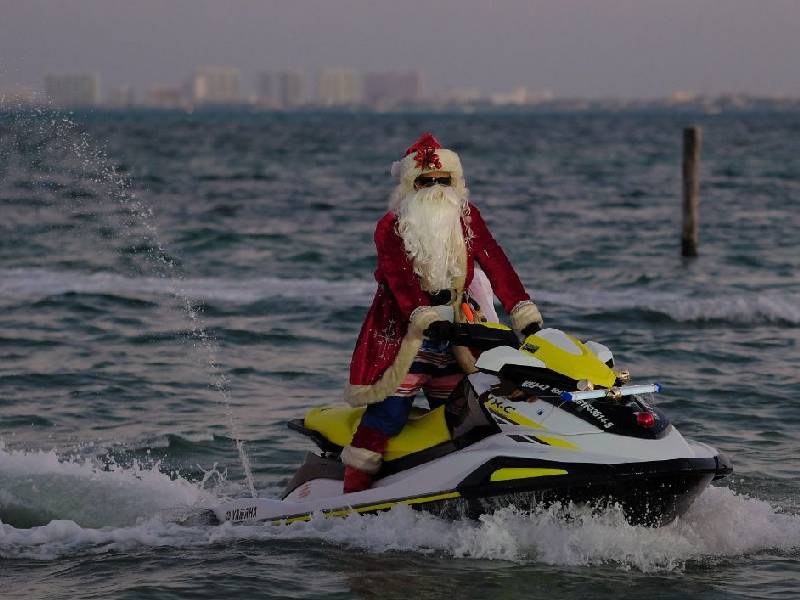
x=546, y=420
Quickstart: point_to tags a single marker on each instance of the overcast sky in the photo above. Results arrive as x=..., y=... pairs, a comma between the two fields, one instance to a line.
x=591, y=48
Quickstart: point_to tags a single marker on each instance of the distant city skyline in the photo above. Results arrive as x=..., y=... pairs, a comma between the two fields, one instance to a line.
x=576, y=48
x=289, y=89
x=344, y=89
x=285, y=88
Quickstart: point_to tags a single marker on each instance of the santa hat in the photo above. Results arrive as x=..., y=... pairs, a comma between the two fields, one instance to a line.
x=424, y=156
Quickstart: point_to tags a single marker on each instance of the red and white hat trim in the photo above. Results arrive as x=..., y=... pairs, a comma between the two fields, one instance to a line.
x=424, y=156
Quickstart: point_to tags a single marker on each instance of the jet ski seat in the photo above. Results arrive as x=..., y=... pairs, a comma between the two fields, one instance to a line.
x=337, y=424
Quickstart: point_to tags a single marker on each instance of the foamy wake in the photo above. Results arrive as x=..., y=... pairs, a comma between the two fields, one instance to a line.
x=39, y=486
x=736, y=306
x=96, y=511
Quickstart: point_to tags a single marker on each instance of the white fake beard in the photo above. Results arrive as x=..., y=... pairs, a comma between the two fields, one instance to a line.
x=429, y=222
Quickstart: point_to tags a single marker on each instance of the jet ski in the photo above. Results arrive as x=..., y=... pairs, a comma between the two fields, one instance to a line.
x=543, y=420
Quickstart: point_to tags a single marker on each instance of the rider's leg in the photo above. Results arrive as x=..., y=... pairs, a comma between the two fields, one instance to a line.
x=439, y=390
x=381, y=421
x=442, y=381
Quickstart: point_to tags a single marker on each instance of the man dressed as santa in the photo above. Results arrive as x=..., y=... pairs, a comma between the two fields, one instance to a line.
x=433, y=247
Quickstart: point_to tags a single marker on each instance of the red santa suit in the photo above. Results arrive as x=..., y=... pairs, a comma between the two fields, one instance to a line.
x=392, y=333
x=383, y=346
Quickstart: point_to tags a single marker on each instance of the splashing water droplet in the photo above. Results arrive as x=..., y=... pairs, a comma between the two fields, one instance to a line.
x=48, y=131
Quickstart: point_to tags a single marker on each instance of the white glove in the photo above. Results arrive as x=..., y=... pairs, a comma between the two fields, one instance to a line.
x=423, y=316
x=525, y=313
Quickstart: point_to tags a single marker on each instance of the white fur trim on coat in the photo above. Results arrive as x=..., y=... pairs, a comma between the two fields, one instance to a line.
x=362, y=459
x=362, y=395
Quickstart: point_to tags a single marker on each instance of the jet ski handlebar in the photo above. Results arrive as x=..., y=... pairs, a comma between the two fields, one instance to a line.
x=473, y=335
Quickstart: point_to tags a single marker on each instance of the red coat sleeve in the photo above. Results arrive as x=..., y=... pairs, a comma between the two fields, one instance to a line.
x=494, y=262
x=395, y=268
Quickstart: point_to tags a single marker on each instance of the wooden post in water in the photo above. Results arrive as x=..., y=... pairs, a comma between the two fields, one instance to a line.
x=692, y=136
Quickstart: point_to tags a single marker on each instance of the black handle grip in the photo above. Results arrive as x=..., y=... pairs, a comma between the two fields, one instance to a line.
x=531, y=329
x=481, y=337
x=441, y=331
x=472, y=335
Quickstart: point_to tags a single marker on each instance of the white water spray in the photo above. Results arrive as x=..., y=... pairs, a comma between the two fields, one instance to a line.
x=61, y=134
x=222, y=385
x=719, y=524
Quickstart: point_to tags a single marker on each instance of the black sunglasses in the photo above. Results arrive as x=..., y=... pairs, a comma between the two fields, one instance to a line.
x=431, y=181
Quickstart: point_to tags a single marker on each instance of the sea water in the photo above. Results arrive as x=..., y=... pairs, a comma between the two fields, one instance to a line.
x=111, y=418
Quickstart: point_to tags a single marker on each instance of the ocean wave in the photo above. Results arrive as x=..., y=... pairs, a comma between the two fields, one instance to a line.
x=733, y=306
x=39, y=283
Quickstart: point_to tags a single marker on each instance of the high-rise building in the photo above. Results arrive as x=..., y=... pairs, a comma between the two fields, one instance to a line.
x=337, y=87
x=282, y=89
x=267, y=90
x=73, y=90
x=163, y=96
x=215, y=85
x=121, y=96
x=390, y=88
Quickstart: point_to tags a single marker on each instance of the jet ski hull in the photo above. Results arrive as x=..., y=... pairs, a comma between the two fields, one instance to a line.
x=652, y=493
x=512, y=436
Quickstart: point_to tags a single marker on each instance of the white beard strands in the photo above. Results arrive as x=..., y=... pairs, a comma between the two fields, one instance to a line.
x=429, y=222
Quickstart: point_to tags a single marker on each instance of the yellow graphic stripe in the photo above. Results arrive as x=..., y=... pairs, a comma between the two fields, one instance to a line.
x=512, y=415
x=343, y=512
x=558, y=442
x=523, y=473
x=490, y=325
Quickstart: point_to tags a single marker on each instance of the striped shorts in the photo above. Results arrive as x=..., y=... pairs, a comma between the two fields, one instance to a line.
x=434, y=371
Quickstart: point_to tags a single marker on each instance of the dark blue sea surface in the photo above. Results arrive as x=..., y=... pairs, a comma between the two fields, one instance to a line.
x=155, y=267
